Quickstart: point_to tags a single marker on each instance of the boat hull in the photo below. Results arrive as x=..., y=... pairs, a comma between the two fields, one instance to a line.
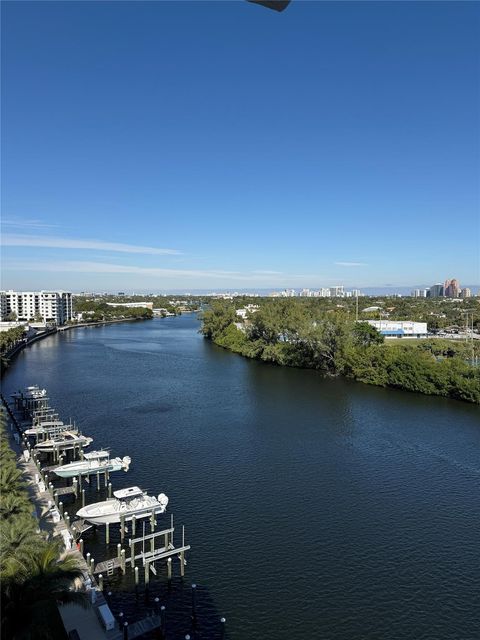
x=65, y=472
x=114, y=518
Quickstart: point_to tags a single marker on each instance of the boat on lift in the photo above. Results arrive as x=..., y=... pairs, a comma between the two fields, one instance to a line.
x=64, y=441
x=30, y=393
x=49, y=426
x=92, y=462
x=126, y=502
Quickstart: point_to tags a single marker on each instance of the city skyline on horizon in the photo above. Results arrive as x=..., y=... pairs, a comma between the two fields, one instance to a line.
x=163, y=161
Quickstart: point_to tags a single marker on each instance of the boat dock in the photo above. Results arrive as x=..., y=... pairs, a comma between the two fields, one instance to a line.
x=88, y=624
x=141, y=555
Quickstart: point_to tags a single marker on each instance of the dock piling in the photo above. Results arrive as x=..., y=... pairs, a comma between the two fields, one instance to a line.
x=107, y=533
x=119, y=549
x=122, y=527
x=222, y=627
x=136, y=576
x=122, y=560
x=98, y=480
x=100, y=582
x=80, y=542
x=60, y=508
x=169, y=568
x=131, y=544
x=83, y=497
x=109, y=489
x=194, y=602
x=125, y=631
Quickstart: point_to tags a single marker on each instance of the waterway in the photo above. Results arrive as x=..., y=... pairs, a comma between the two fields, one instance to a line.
x=315, y=508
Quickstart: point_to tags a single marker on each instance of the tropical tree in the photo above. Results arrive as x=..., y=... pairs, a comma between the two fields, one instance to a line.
x=11, y=479
x=41, y=580
x=13, y=505
x=365, y=335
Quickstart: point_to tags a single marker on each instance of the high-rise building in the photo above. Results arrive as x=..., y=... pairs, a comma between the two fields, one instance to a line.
x=337, y=292
x=324, y=293
x=419, y=293
x=49, y=306
x=465, y=293
x=451, y=288
x=436, y=291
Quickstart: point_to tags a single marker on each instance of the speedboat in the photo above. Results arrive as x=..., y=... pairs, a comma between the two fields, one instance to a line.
x=91, y=463
x=126, y=502
x=30, y=393
x=48, y=426
x=65, y=440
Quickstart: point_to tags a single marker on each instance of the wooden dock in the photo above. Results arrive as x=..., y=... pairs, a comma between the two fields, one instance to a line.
x=51, y=518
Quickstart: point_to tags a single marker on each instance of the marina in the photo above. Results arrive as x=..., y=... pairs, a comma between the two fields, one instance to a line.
x=128, y=507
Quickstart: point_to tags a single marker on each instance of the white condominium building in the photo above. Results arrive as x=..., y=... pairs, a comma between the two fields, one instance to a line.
x=49, y=306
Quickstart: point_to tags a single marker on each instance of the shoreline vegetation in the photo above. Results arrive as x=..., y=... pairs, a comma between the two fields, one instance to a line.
x=35, y=573
x=316, y=335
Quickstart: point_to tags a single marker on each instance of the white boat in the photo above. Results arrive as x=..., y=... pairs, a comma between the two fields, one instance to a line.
x=48, y=426
x=30, y=393
x=65, y=440
x=127, y=502
x=91, y=463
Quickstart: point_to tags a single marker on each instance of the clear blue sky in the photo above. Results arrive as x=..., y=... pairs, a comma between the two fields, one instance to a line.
x=187, y=145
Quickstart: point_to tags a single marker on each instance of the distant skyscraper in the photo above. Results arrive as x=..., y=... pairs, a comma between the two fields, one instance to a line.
x=451, y=288
x=337, y=292
x=465, y=293
x=436, y=291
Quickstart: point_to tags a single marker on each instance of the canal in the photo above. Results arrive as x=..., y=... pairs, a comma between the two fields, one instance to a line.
x=315, y=508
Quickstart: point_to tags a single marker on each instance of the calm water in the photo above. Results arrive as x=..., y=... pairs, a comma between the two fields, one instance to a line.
x=315, y=509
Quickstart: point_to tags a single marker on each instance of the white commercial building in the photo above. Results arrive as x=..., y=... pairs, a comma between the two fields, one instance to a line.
x=132, y=305
x=400, y=328
x=49, y=306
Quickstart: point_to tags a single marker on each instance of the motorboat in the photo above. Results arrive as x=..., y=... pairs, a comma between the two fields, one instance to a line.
x=91, y=463
x=126, y=502
x=65, y=440
x=48, y=426
x=30, y=393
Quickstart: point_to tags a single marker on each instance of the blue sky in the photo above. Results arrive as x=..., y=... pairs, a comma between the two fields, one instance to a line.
x=207, y=145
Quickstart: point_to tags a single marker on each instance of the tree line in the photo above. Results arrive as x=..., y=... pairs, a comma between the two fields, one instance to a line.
x=11, y=337
x=99, y=311
x=291, y=333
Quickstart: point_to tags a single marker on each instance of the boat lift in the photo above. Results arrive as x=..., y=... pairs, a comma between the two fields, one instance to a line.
x=143, y=549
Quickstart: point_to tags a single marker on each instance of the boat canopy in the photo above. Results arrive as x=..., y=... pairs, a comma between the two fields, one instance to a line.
x=131, y=492
x=94, y=455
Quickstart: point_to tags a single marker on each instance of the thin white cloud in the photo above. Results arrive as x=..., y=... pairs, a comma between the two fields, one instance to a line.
x=29, y=224
x=80, y=266
x=54, y=242
x=268, y=273
x=351, y=264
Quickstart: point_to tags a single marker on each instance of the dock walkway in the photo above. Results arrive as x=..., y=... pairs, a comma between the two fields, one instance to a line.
x=85, y=622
